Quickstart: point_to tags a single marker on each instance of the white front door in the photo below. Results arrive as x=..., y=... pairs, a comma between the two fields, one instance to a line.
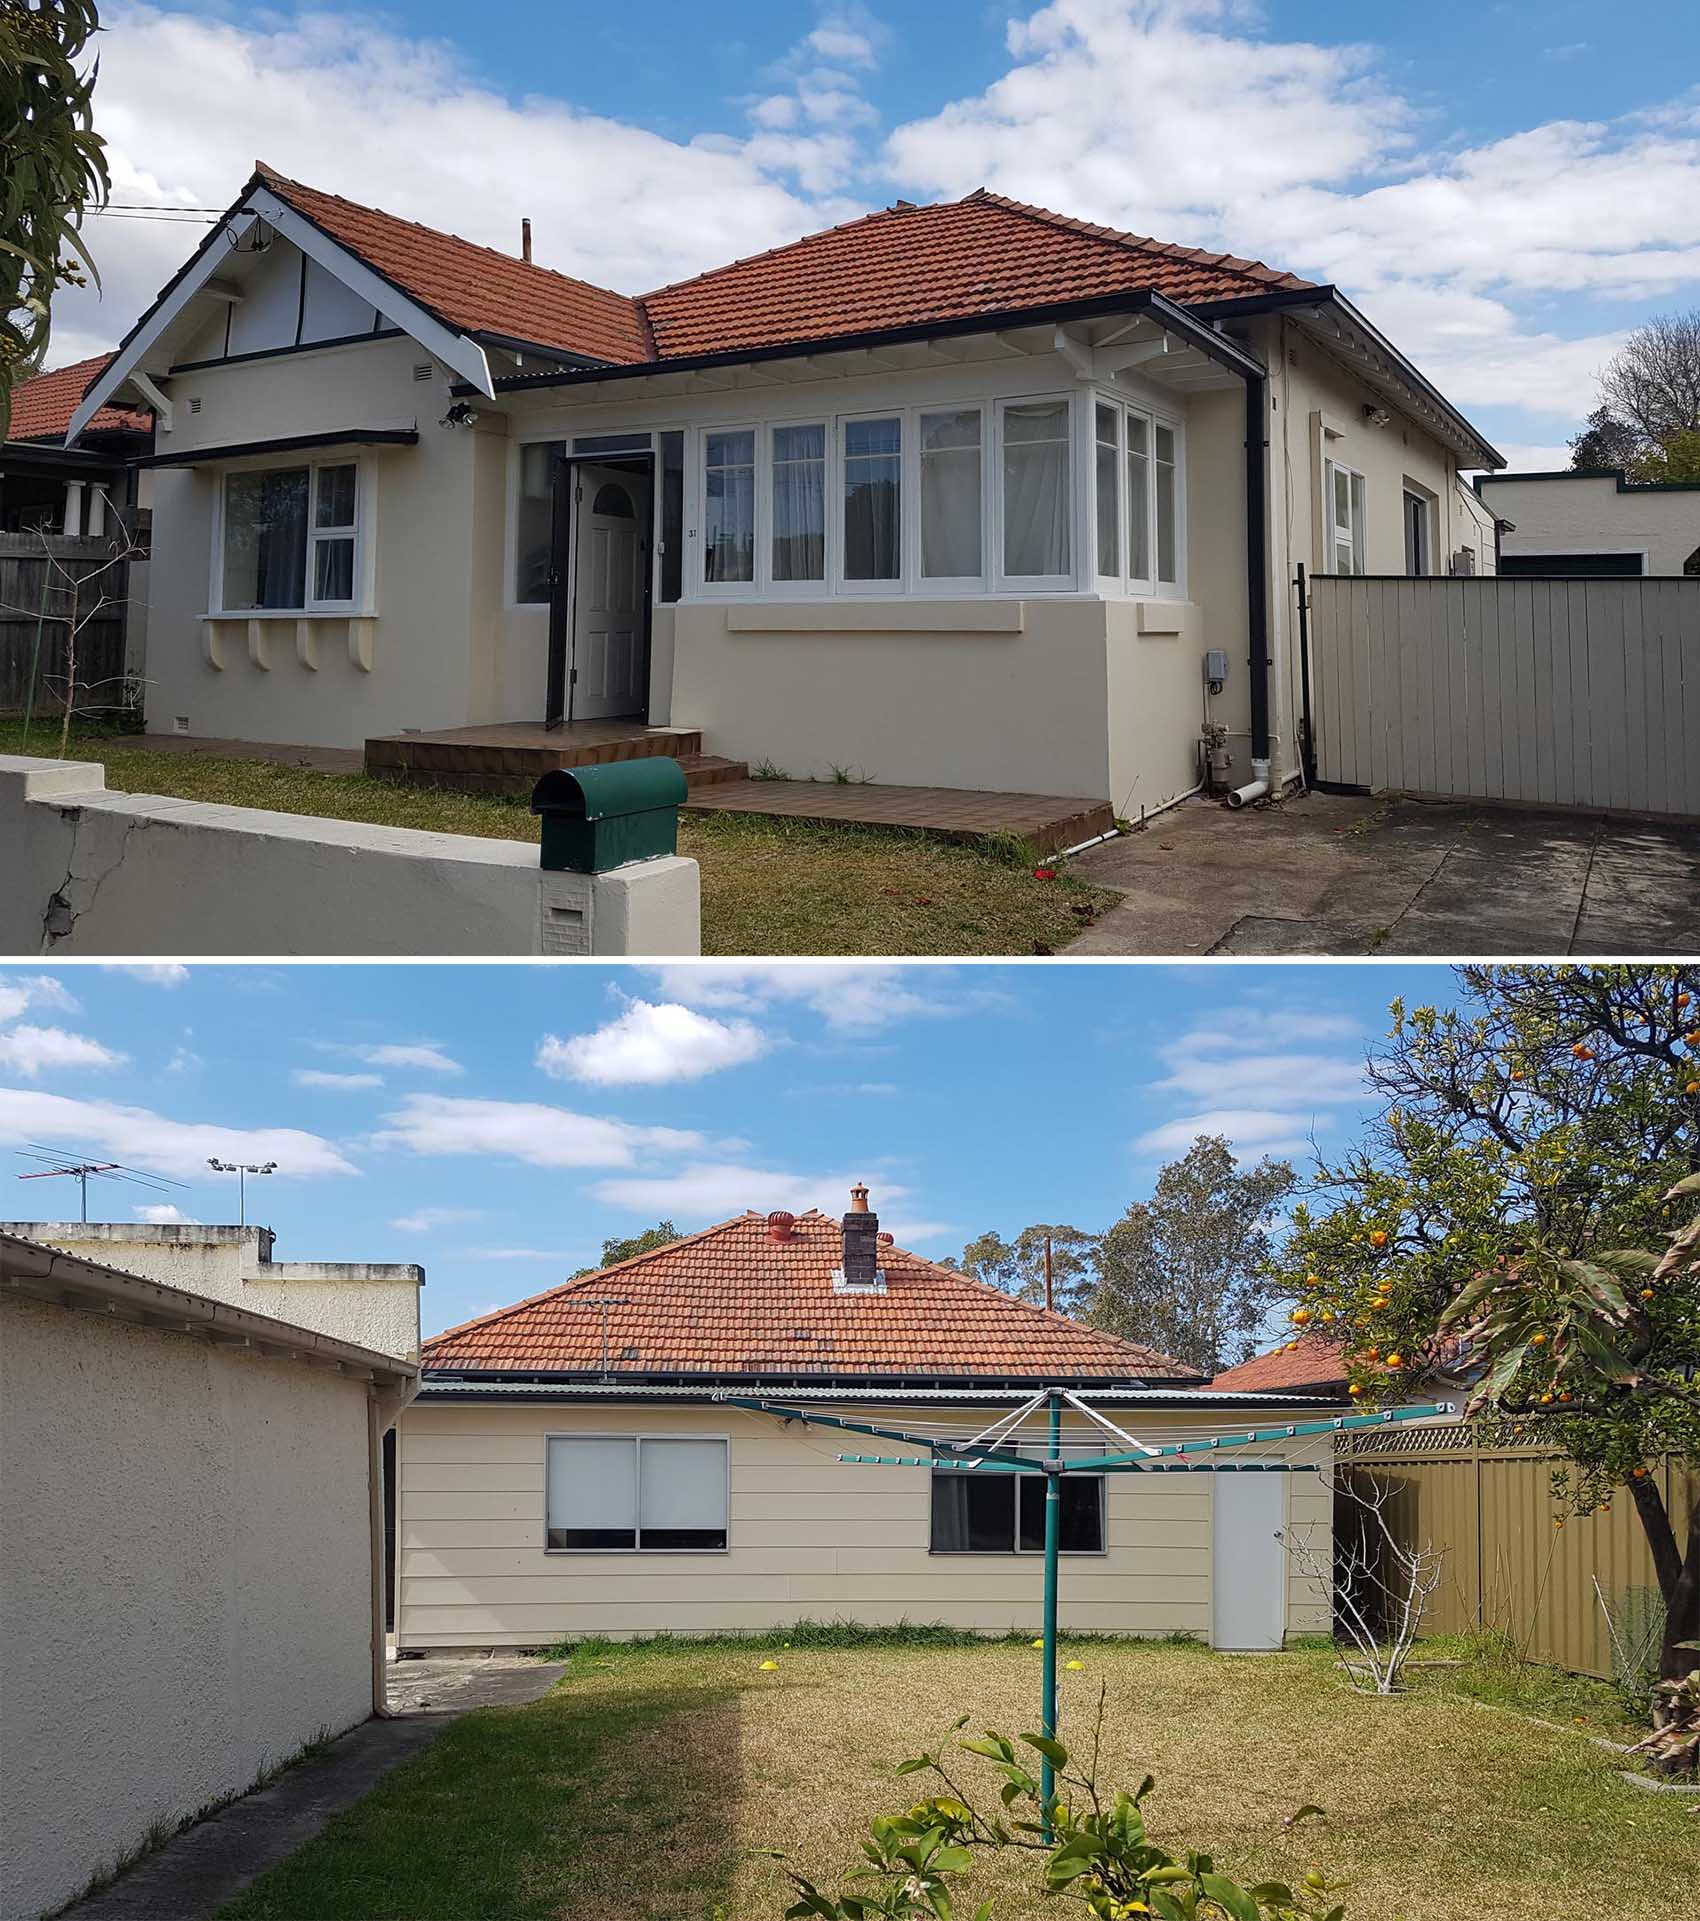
x=1249, y=1575
x=611, y=560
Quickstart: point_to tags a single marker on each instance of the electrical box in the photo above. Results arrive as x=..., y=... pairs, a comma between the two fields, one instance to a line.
x=595, y=818
x=1216, y=666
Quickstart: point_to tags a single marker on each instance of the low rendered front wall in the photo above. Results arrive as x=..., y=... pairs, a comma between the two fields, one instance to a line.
x=185, y=1587
x=810, y=1537
x=84, y=871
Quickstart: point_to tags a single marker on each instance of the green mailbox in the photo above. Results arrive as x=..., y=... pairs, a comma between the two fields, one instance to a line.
x=595, y=818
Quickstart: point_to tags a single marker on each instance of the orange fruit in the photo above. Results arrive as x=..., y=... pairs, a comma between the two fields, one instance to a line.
x=1300, y=1316
x=1378, y=1238
x=1546, y=1400
x=1354, y=1390
x=1557, y=1522
x=1380, y=1301
x=1682, y=1000
x=1395, y=1360
x=1516, y=1074
x=1537, y=1340
x=1646, y=1293
x=1693, y=1087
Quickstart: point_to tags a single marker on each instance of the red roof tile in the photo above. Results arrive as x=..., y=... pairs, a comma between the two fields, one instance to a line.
x=732, y=1301
x=908, y=266
x=42, y=407
x=475, y=289
x=1314, y=1363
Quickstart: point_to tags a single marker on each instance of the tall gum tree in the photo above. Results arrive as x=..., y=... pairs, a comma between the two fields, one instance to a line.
x=1514, y=1215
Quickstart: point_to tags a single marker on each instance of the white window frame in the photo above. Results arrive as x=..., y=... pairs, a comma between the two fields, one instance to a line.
x=1169, y=589
x=900, y=582
x=946, y=586
x=1124, y=582
x=1356, y=530
x=637, y=1547
x=1114, y=582
x=1035, y=583
x=1412, y=495
x=731, y=589
x=359, y=604
x=765, y=583
x=1015, y=1547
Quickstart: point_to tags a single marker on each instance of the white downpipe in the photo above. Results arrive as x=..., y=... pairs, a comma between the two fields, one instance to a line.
x=1255, y=789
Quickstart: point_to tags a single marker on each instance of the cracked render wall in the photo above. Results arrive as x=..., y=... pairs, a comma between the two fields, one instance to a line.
x=84, y=871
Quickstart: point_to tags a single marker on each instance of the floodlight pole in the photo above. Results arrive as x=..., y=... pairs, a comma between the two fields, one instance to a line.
x=1053, y=1541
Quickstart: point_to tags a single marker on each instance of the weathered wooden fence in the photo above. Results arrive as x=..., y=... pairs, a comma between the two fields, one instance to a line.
x=37, y=580
x=1569, y=693
x=1507, y=1566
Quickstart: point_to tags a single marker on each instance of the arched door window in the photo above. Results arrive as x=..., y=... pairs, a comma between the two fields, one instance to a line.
x=612, y=499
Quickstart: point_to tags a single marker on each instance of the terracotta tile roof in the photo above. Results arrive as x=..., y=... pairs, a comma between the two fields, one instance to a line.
x=732, y=1301
x=1314, y=1363
x=907, y=265
x=474, y=289
x=42, y=407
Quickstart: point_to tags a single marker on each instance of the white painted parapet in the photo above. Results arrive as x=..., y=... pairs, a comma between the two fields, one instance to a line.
x=85, y=871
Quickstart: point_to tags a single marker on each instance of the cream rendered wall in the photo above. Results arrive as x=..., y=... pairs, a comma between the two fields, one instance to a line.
x=435, y=617
x=1156, y=701
x=1588, y=516
x=185, y=1595
x=372, y=1304
x=810, y=1536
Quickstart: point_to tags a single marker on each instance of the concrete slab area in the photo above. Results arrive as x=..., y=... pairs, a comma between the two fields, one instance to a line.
x=1346, y=874
x=197, y=1872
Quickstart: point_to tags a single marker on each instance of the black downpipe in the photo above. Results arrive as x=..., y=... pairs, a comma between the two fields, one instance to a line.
x=1307, y=741
x=1257, y=559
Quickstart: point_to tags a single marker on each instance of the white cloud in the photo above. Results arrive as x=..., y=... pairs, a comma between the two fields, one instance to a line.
x=21, y=991
x=183, y=1060
x=649, y=1044
x=345, y=1083
x=425, y=1055
x=703, y=1191
x=149, y=1140
x=27, y=1050
x=155, y=973
x=849, y=997
x=424, y=1219
x=1251, y=1130
x=527, y=1131
x=166, y=1216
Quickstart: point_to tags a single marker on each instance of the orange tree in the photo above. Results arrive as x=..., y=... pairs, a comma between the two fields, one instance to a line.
x=1507, y=1216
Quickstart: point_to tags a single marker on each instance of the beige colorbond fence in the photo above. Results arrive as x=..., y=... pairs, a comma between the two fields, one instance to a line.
x=1507, y=1566
x=1568, y=693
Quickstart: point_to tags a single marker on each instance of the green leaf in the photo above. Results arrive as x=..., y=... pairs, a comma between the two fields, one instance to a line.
x=1273, y=1894
x=1053, y=1751
x=1229, y=1897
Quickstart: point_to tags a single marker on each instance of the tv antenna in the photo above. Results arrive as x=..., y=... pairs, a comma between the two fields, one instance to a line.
x=242, y=1169
x=603, y=1302
x=56, y=1166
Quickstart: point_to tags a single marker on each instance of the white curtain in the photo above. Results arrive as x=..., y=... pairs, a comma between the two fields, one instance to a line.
x=1035, y=489
x=950, y=495
x=799, y=503
x=873, y=499
x=729, y=519
x=1108, y=477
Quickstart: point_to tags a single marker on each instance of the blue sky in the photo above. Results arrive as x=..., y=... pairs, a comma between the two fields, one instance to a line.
x=497, y=1123
x=1505, y=188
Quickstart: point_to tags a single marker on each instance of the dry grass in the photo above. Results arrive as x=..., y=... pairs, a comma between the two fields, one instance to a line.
x=768, y=886
x=651, y=1785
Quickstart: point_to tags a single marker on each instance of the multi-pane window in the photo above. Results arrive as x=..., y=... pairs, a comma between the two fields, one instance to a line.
x=799, y=502
x=1106, y=449
x=978, y=1512
x=642, y=1493
x=1167, y=571
x=1346, y=519
x=1035, y=489
x=729, y=506
x=873, y=499
x=1138, y=497
x=951, y=495
x=289, y=539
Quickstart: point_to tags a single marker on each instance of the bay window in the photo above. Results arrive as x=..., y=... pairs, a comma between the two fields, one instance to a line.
x=799, y=502
x=952, y=504
x=289, y=539
x=729, y=506
x=1138, y=498
x=1167, y=572
x=1346, y=519
x=1035, y=489
x=978, y=1512
x=1107, y=467
x=656, y=1494
x=873, y=499
x=1150, y=517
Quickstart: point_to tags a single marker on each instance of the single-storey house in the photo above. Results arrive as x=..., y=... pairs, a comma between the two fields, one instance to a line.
x=1589, y=522
x=572, y=1465
x=192, y=1582
x=47, y=487
x=970, y=494
x=1309, y=1366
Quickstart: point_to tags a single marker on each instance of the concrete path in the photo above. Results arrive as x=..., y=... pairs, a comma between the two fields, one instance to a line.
x=1334, y=874
x=205, y=1866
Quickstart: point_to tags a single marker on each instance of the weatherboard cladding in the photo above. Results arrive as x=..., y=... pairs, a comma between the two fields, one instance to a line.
x=732, y=1301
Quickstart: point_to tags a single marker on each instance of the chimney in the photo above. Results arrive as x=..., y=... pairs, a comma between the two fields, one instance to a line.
x=525, y=241
x=860, y=1273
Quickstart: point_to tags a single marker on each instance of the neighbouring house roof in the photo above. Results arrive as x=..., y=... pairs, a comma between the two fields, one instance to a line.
x=1314, y=1367
x=732, y=1302
x=42, y=406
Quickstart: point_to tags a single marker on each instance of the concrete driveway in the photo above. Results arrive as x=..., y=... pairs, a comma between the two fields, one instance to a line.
x=1335, y=874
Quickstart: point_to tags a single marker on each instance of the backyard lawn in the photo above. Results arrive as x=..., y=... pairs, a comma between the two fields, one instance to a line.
x=768, y=886
x=653, y=1782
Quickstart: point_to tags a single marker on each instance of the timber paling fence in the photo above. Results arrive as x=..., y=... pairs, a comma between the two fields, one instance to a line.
x=34, y=585
x=1507, y=1567
x=1560, y=693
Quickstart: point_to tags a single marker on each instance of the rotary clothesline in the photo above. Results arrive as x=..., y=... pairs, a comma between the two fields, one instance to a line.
x=993, y=1449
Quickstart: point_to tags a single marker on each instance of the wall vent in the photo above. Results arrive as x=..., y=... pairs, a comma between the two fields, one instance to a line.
x=195, y=404
x=423, y=370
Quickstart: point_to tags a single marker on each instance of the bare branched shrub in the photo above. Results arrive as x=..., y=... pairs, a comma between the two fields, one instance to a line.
x=76, y=593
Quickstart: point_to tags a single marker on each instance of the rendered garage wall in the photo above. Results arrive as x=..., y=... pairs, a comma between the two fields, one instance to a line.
x=810, y=1536
x=185, y=1596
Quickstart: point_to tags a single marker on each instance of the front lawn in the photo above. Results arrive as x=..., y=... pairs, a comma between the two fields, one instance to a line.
x=652, y=1783
x=768, y=886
